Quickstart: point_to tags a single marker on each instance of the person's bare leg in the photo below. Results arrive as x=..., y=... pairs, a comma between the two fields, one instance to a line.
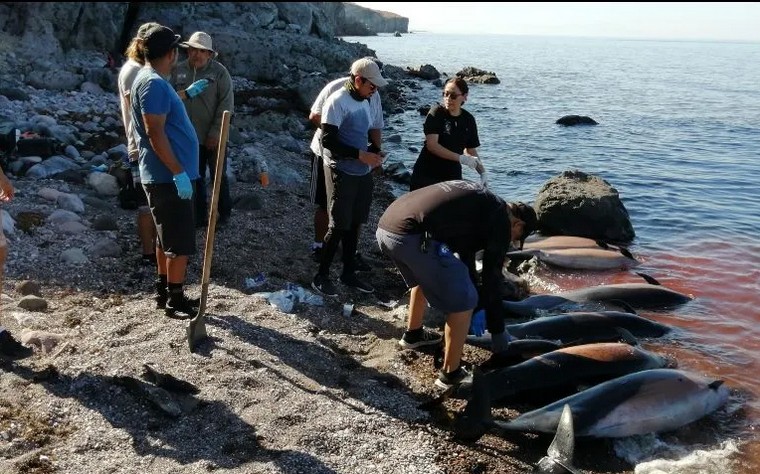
x=161, y=261
x=176, y=268
x=417, y=305
x=455, y=334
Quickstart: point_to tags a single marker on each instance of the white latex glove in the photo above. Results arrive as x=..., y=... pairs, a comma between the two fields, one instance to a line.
x=480, y=168
x=470, y=161
x=484, y=179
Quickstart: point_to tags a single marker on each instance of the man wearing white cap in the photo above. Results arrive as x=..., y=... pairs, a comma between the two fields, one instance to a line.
x=205, y=87
x=348, y=164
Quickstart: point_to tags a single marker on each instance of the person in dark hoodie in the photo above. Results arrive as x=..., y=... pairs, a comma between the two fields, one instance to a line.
x=432, y=234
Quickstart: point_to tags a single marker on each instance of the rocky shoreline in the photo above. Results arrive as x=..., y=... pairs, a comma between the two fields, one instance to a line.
x=305, y=391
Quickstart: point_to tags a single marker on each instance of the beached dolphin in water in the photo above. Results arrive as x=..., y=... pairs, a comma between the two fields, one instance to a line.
x=584, y=258
x=650, y=295
x=650, y=401
x=565, y=242
x=551, y=376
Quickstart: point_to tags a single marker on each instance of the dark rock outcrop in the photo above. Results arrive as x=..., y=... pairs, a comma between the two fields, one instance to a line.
x=570, y=120
x=575, y=203
x=479, y=76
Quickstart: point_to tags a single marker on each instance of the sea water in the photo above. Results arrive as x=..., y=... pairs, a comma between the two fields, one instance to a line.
x=679, y=139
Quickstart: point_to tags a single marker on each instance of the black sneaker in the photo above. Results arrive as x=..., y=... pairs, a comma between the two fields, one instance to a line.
x=447, y=380
x=323, y=285
x=11, y=348
x=360, y=264
x=352, y=281
x=182, y=308
x=415, y=339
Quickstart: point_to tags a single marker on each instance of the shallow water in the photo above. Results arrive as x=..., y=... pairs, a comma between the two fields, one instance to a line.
x=679, y=138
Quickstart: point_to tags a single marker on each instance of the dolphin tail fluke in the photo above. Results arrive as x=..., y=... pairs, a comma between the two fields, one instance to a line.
x=649, y=279
x=476, y=419
x=559, y=456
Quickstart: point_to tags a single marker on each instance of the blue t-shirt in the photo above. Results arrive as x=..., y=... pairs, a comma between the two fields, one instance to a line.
x=152, y=94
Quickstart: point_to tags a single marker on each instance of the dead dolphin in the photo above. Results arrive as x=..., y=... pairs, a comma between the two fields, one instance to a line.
x=553, y=375
x=583, y=258
x=650, y=295
x=592, y=326
x=649, y=401
x=562, y=242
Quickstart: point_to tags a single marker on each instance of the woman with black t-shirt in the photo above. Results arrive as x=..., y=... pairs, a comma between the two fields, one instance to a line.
x=451, y=139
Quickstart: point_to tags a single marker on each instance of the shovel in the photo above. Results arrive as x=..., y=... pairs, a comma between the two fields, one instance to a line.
x=196, y=327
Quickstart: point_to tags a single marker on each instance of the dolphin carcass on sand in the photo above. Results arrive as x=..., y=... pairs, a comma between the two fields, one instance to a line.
x=649, y=401
x=551, y=376
x=650, y=295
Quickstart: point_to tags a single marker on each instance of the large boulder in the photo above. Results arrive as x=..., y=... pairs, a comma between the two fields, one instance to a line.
x=575, y=203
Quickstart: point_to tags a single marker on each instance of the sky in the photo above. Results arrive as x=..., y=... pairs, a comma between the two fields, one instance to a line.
x=732, y=21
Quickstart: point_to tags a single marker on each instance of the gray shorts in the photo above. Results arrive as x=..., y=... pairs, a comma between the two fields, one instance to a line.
x=348, y=198
x=444, y=279
x=175, y=223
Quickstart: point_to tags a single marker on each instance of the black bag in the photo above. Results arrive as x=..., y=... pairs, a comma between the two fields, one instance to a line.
x=42, y=147
x=129, y=196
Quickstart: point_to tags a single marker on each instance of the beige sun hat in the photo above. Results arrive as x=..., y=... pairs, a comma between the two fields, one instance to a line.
x=199, y=40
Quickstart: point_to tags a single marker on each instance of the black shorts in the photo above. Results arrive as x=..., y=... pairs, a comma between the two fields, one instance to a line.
x=349, y=197
x=317, y=192
x=174, y=218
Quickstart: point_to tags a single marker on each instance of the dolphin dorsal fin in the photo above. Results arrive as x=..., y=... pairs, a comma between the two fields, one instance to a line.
x=650, y=279
x=626, y=336
x=715, y=384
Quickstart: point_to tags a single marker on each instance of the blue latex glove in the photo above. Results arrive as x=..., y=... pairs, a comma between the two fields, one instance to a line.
x=196, y=87
x=184, y=187
x=478, y=323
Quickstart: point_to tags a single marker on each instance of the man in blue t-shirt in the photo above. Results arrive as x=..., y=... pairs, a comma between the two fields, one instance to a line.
x=168, y=156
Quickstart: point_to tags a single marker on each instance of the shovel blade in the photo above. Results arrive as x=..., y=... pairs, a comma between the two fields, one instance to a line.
x=196, y=331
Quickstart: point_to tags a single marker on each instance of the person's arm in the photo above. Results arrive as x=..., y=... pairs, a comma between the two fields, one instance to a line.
x=6, y=188
x=499, y=234
x=315, y=119
x=154, y=127
x=431, y=143
x=226, y=101
x=338, y=151
x=376, y=138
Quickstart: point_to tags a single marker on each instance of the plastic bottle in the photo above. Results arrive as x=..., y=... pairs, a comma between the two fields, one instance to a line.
x=263, y=173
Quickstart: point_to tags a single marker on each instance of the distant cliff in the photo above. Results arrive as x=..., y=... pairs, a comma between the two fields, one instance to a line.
x=360, y=21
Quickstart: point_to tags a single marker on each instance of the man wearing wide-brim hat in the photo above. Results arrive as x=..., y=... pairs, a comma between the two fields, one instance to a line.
x=205, y=87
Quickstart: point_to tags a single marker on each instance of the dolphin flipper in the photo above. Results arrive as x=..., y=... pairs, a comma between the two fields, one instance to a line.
x=626, y=336
x=602, y=244
x=559, y=456
x=649, y=279
x=626, y=253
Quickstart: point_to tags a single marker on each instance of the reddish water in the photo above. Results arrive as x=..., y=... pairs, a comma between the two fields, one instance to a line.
x=717, y=334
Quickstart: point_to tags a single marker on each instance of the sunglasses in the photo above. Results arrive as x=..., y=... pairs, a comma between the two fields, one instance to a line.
x=452, y=95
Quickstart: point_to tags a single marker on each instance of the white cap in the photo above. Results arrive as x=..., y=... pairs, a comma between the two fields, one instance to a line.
x=369, y=70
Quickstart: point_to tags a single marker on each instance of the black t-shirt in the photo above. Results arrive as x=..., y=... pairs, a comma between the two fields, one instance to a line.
x=455, y=134
x=467, y=218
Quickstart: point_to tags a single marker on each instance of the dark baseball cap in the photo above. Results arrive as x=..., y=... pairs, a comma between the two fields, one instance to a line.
x=159, y=40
